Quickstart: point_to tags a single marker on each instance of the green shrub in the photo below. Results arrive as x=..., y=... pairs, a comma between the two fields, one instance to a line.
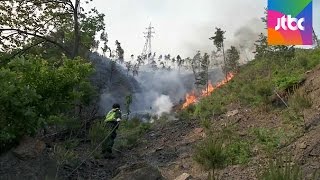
x=300, y=100
x=237, y=149
x=65, y=156
x=35, y=92
x=187, y=113
x=211, y=155
x=209, y=107
x=291, y=115
x=264, y=90
x=238, y=152
x=18, y=115
x=162, y=119
x=303, y=61
x=71, y=143
x=130, y=132
x=206, y=123
x=98, y=132
x=63, y=122
x=286, y=80
x=268, y=138
x=308, y=59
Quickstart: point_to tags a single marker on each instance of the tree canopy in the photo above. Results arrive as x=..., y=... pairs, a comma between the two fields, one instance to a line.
x=62, y=24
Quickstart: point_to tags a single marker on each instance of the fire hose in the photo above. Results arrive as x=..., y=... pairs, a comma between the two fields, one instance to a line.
x=86, y=158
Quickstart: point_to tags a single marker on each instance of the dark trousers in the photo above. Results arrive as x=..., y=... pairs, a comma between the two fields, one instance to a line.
x=108, y=143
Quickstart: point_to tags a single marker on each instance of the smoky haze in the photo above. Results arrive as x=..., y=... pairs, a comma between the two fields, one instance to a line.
x=163, y=89
x=181, y=26
x=153, y=91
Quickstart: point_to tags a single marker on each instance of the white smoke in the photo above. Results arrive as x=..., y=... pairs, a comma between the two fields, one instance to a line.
x=163, y=89
x=157, y=84
x=244, y=39
x=162, y=105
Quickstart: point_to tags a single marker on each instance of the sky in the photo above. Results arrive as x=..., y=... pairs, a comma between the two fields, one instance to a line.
x=182, y=26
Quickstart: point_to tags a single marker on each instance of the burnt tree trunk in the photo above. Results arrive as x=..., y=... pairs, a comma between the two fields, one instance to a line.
x=76, y=29
x=224, y=61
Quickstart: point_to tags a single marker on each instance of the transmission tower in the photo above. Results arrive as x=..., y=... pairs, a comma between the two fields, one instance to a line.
x=147, y=52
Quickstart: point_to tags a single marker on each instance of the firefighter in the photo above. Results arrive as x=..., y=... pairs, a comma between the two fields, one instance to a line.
x=112, y=123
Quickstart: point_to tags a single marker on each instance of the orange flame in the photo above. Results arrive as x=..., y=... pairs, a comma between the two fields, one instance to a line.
x=191, y=98
x=208, y=90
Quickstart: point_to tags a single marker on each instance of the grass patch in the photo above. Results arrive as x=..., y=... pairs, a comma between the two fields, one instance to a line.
x=206, y=124
x=129, y=133
x=238, y=152
x=280, y=169
x=222, y=148
x=237, y=148
x=300, y=100
x=186, y=114
x=206, y=109
x=269, y=139
x=64, y=156
x=71, y=143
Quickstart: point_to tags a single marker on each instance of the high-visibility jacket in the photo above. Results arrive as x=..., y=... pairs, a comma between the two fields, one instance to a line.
x=113, y=115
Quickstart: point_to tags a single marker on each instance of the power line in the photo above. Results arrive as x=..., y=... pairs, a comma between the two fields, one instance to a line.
x=147, y=49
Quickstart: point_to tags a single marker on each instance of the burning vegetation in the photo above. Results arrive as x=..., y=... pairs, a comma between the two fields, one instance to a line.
x=192, y=98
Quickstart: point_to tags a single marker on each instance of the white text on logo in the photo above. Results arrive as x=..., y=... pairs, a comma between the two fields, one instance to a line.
x=285, y=23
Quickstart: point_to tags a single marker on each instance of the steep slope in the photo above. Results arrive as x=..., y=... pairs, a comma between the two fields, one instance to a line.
x=170, y=146
x=256, y=124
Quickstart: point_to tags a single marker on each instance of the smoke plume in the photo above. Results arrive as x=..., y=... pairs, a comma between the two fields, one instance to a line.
x=162, y=105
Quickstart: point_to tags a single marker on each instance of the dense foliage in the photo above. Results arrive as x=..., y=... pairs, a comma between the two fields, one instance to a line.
x=35, y=92
x=61, y=26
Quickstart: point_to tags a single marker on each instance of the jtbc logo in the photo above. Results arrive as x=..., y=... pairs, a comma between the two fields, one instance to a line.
x=287, y=22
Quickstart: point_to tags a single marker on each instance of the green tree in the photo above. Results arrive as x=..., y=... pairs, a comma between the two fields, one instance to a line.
x=59, y=23
x=140, y=61
x=105, y=47
x=167, y=57
x=204, y=74
x=135, y=70
x=218, y=41
x=180, y=61
x=113, y=68
x=261, y=47
x=200, y=68
x=232, y=60
x=128, y=104
x=129, y=67
x=119, y=51
x=160, y=58
x=163, y=65
x=154, y=64
x=211, y=155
